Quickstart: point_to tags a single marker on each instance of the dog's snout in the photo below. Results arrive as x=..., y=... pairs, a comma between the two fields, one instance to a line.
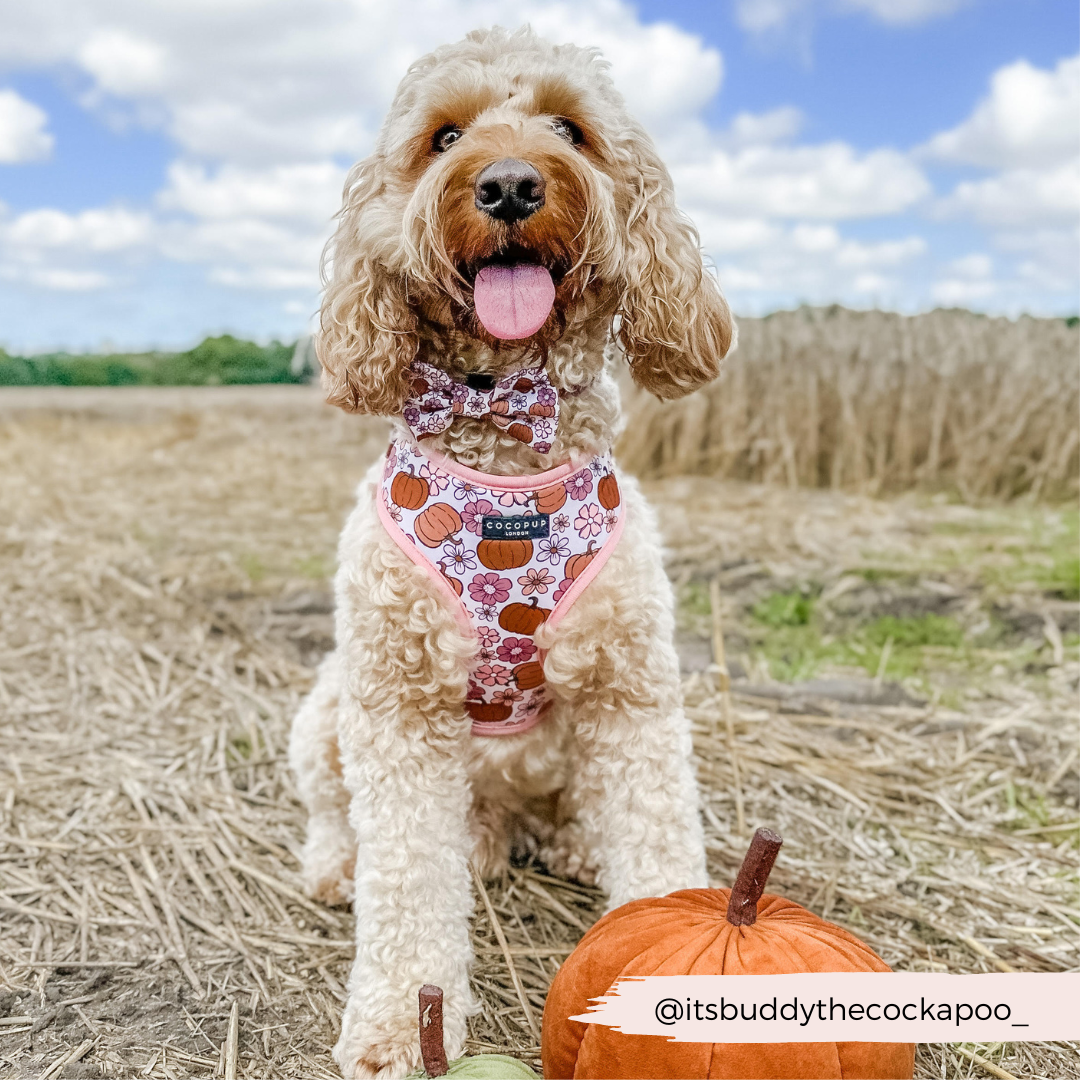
x=510, y=190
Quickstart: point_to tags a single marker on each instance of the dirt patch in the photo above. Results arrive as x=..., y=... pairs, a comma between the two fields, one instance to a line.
x=162, y=595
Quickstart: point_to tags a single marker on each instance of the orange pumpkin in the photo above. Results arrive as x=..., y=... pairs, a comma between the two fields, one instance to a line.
x=521, y=432
x=607, y=491
x=523, y=618
x=439, y=521
x=577, y=563
x=536, y=409
x=409, y=491
x=504, y=554
x=709, y=932
x=548, y=500
x=528, y=675
x=488, y=712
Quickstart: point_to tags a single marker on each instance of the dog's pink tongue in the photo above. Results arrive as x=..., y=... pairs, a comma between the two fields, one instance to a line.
x=513, y=301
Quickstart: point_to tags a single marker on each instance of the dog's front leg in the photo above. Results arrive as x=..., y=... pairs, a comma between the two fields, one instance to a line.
x=403, y=737
x=613, y=664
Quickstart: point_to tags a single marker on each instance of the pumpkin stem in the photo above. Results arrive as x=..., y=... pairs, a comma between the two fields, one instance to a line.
x=753, y=874
x=431, y=1031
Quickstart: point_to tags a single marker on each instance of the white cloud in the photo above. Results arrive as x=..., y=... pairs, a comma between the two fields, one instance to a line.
x=1020, y=197
x=122, y=63
x=99, y=230
x=306, y=192
x=1030, y=119
x=22, y=130
x=829, y=180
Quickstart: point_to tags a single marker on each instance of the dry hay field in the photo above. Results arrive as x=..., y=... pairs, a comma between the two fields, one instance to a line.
x=902, y=710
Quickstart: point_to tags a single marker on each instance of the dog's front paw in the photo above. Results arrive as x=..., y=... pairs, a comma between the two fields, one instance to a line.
x=329, y=863
x=568, y=855
x=379, y=1032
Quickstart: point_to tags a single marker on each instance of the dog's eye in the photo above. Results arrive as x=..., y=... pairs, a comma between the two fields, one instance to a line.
x=445, y=137
x=568, y=130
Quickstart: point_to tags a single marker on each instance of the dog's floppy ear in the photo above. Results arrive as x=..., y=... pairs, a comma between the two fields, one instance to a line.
x=675, y=324
x=367, y=330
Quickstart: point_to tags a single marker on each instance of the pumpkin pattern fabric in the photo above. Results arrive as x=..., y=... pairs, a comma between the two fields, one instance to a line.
x=508, y=577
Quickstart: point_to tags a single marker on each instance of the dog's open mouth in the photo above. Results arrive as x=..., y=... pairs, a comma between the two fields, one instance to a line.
x=513, y=294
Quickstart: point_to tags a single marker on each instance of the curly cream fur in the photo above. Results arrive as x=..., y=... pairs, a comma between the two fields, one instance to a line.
x=401, y=797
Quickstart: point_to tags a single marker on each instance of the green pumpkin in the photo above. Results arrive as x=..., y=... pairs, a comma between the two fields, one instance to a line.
x=485, y=1067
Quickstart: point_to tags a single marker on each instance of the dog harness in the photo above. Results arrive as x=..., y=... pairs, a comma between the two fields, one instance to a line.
x=511, y=553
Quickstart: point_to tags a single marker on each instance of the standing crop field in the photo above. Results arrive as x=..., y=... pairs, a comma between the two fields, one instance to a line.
x=880, y=403
x=905, y=676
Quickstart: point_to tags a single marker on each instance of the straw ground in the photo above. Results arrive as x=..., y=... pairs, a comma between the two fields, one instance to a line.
x=164, y=558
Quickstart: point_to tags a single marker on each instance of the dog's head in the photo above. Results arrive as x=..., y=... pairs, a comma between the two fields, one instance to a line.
x=510, y=205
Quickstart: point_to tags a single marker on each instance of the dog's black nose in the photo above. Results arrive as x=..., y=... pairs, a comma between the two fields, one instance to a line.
x=509, y=190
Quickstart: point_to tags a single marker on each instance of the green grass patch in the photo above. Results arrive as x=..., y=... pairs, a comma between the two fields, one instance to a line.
x=785, y=609
x=253, y=566
x=795, y=644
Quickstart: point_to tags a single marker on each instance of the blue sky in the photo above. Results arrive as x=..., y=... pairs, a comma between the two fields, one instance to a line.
x=169, y=170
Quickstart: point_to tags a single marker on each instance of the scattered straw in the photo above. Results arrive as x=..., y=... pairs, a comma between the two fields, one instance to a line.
x=163, y=595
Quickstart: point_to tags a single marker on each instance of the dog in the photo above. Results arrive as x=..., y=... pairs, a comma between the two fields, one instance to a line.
x=511, y=240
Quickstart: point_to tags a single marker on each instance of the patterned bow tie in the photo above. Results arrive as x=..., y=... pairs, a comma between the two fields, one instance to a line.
x=524, y=404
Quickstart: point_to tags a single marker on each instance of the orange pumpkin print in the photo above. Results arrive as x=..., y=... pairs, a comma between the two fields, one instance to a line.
x=523, y=618
x=607, y=491
x=504, y=554
x=454, y=583
x=438, y=522
x=488, y=712
x=521, y=432
x=409, y=491
x=548, y=500
x=529, y=674
x=577, y=563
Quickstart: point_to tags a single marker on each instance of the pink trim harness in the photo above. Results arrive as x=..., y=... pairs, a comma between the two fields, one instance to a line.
x=511, y=553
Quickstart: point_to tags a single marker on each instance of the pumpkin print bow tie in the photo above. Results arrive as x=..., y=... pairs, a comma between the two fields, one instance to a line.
x=524, y=404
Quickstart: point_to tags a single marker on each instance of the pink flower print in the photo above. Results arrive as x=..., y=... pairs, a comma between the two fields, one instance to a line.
x=516, y=650
x=513, y=498
x=542, y=447
x=436, y=478
x=460, y=558
x=490, y=589
x=553, y=549
x=611, y=519
x=546, y=395
x=579, y=485
x=489, y=638
x=487, y=612
x=459, y=391
x=472, y=512
x=560, y=522
x=393, y=509
x=486, y=654
x=492, y=674
x=509, y=696
x=542, y=429
x=535, y=581
x=534, y=705
x=412, y=415
x=565, y=584
x=590, y=520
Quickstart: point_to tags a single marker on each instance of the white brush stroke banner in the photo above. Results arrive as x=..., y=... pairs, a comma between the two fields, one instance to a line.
x=845, y=1007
